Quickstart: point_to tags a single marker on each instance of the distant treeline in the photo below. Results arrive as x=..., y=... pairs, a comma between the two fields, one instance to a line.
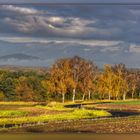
x=70, y=79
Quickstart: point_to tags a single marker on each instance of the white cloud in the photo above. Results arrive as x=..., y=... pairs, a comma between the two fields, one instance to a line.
x=135, y=11
x=134, y=48
x=19, y=10
x=110, y=48
x=31, y=22
x=90, y=43
x=80, y=22
x=55, y=19
x=53, y=25
x=50, y=25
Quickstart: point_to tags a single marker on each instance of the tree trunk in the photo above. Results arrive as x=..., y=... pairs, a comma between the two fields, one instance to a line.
x=132, y=94
x=124, y=96
x=89, y=95
x=73, y=97
x=83, y=98
x=63, y=97
x=109, y=97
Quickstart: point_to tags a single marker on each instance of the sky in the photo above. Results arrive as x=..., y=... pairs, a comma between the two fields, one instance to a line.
x=37, y=35
x=71, y=1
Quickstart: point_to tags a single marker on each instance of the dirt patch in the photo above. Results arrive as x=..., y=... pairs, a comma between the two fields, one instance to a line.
x=128, y=125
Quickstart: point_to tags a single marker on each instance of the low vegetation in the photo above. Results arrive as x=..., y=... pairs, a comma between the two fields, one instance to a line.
x=56, y=117
x=12, y=113
x=77, y=114
x=129, y=102
x=90, y=113
x=18, y=103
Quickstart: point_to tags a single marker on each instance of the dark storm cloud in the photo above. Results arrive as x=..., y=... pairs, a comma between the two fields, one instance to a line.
x=27, y=21
x=89, y=22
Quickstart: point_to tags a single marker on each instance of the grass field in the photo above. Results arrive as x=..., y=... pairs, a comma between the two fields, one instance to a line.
x=94, y=116
x=127, y=102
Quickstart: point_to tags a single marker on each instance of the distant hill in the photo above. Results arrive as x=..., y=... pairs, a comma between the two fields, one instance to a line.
x=19, y=56
x=14, y=68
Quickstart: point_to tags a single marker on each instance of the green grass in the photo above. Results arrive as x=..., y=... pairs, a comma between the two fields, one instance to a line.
x=54, y=106
x=18, y=103
x=90, y=113
x=137, y=102
x=12, y=113
x=77, y=114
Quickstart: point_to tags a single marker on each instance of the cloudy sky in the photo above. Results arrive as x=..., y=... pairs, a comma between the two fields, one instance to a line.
x=37, y=35
x=71, y=1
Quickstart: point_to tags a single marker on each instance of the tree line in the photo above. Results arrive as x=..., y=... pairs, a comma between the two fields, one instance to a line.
x=71, y=79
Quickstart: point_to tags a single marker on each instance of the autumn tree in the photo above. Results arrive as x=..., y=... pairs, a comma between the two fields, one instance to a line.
x=113, y=81
x=122, y=73
x=60, y=77
x=106, y=81
x=87, y=78
x=133, y=80
x=83, y=74
x=76, y=64
x=23, y=91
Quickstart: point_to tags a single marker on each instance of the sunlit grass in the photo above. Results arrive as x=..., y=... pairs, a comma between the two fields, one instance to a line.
x=127, y=102
x=12, y=113
x=54, y=106
x=91, y=113
x=18, y=103
x=77, y=114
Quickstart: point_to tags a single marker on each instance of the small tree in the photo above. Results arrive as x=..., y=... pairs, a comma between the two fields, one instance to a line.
x=106, y=81
x=122, y=74
x=133, y=80
x=83, y=73
x=60, y=77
